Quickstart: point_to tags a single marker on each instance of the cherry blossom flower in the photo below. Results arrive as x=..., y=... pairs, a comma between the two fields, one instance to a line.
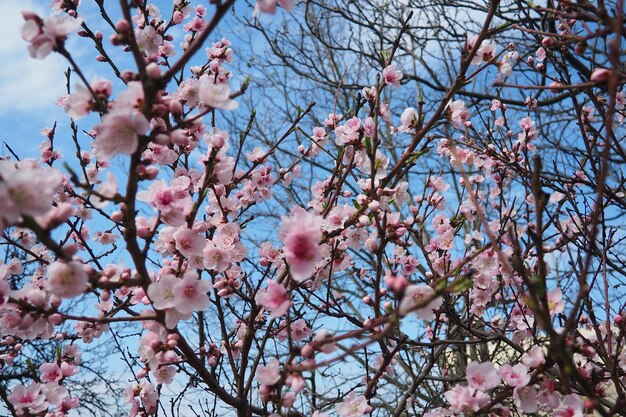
x=26, y=189
x=44, y=35
x=421, y=300
x=392, y=76
x=458, y=113
x=408, y=120
x=515, y=376
x=571, y=406
x=466, y=399
x=555, y=301
x=189, y=242
x=269, y=6
x=526, y=398
x=161, y=292
x=269, y=374
x=66, y=280
x=50, y=372
x=301, y=233
x=190, y=293
x=482, y=376
x=149, y=40
x=215, y=94
x=274, y=298
x=118, y=133
x=28, y=400
x=353, y=405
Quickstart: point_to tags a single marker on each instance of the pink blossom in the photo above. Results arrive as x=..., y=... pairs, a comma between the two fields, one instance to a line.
x=274, y=298
x=164, y=374
x=600, y=75
x=66, y=279
x=269, y=6
x=50, y=372
x=78, y=104
x=215, y=94
x=353, y=405
x=571, y=406
x=466, y=399
x=5, y=290
x=161, y=292
x=190, y=293
x=269, y=374
x=55, y=394
x=215, y=258
x=421, y=300
x=408, y=120
x=189, y=242
x=515, y=376
x=118, y=133
x=44, y=35
x=485, y=51
x=28, y=400
x=457, y=113
x=26, y=189
x=149, y=40
x=301, y=233
x=555, y=301
x=392, y=76
x=526, y=398
x=482, y=376
x=534, y=358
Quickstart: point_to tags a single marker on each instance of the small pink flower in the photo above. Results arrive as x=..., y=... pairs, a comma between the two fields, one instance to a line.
x=571, y=406
x=215, y=258
x=215, y=94
x=274, y=298
x=534, y=358
x=482, y=376
x=421, y=300
x=29, y=399
x=190, y=293
x=301, y=233
x=555, y=301
x=466, y=399
x=526, y=398
x=66, y=280
x=408, y=120
x=50, y=372
x=118, y=133
x=515, y=376
x=189, y=242
x=270, y=374
x=269, y=6
x=458, y=113
x=165, y=374
x=353, y=405
x=161, y=292
x=600, y=75
x=392, y=76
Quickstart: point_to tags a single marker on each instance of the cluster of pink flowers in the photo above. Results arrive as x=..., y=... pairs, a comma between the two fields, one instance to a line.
x=356, y=263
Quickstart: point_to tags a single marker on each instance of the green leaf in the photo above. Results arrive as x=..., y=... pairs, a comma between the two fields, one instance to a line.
x=417, y=155
x=461, y=284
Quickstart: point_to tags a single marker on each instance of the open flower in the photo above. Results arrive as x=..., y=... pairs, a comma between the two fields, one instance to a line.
x=118, y=133
x=274, y=298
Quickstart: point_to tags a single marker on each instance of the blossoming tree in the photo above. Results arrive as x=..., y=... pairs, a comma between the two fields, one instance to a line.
x=439, y=256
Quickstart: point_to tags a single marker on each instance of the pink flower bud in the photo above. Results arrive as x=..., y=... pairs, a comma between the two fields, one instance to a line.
x=153, y=70
x=122, y=26
x=374, y=206
x=547, y=42
x=600, y=75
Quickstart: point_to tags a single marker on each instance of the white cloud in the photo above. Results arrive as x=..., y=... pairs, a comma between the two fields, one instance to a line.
x=26, y=84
